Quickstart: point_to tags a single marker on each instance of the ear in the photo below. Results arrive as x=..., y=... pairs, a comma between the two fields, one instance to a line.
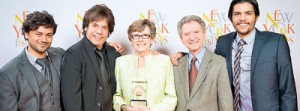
x=26, y=35
x=256, y=18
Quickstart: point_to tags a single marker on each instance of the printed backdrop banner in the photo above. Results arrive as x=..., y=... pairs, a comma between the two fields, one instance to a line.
x=278, y=16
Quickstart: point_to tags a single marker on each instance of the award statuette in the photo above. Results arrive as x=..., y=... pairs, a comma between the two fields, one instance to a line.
x=139, y=93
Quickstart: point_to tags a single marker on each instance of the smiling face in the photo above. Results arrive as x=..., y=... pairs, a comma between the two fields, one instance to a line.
x=192, y=36
x=142, y=45
x=39, y=40
x=243, y=19
x=97, y=32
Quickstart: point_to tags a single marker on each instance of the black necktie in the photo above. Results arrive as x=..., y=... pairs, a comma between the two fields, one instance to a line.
x=103, y=65
x=104, y=72
x=44, y=62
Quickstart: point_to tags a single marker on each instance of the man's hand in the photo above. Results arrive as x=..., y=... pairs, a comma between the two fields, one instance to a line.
x=175, y=57
x=119, y=48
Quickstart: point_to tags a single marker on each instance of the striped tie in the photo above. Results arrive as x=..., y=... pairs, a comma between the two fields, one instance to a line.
x=236, y=74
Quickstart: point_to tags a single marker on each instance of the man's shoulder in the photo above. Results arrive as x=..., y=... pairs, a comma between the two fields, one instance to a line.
x=231, y=34
x=214, y=59
x=217, y=58
x=182, y=60
x=226, y=37
x=56, y=50
x=75, y=47
x=110, y=48
x=12, y=65
x=270, y=34
x=111, y=51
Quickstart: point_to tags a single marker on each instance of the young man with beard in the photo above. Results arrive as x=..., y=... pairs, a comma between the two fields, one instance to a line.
x=258, y=62
x=26, y=83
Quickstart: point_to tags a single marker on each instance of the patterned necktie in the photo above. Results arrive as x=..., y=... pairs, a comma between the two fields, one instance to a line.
x=236, y=74
x=193, y=74
x=44, y=62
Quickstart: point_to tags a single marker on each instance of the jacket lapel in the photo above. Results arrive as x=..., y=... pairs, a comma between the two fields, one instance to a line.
x=28, y=74
x=259, y=40
x=93, y=59
x=111, y=57
x=184, y=75
x=204, y=68
x=56, y=60
x=229, y=43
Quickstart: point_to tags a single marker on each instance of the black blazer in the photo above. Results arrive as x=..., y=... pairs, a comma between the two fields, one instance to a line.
x=272, y=79
x=81, y=81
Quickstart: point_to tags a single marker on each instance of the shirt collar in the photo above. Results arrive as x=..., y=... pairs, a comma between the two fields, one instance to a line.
x=199, y=56
x=250, y=38
x=32, y=58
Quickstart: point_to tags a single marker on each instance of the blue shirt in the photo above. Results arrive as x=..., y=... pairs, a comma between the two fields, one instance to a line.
x=245, y=76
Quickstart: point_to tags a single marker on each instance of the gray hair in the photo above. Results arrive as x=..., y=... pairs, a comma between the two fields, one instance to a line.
x=188, y=19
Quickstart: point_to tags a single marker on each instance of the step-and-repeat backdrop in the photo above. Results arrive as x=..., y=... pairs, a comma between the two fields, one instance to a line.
x=280, y=16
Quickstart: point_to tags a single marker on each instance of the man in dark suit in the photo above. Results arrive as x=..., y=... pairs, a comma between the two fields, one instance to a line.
x=263, y=70
x=25, y=84
x=87, y=81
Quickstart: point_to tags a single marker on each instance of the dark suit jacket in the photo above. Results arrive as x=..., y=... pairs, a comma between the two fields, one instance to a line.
x=81, y=80
x=272, y=79
x=19, y=89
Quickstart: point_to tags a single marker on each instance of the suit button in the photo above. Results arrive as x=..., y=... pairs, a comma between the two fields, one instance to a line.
x=100, y=87
x=51, y=94
x=99, y=104
x=53, y=103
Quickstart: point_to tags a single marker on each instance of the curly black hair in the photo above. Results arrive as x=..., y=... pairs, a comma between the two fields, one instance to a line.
x=36, y=19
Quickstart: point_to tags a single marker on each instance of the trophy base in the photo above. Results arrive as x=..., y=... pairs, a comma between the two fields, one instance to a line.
x=136, y=102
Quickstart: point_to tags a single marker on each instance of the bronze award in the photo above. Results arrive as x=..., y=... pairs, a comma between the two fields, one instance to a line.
x=139, y=93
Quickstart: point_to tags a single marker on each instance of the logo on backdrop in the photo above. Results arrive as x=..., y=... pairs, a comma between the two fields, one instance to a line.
x=217, y=24
x=281, y=22
x=78, y=26
x=19, y=19
x=159, y=18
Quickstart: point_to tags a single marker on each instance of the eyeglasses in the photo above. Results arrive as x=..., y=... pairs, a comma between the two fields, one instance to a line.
x=137, y=36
